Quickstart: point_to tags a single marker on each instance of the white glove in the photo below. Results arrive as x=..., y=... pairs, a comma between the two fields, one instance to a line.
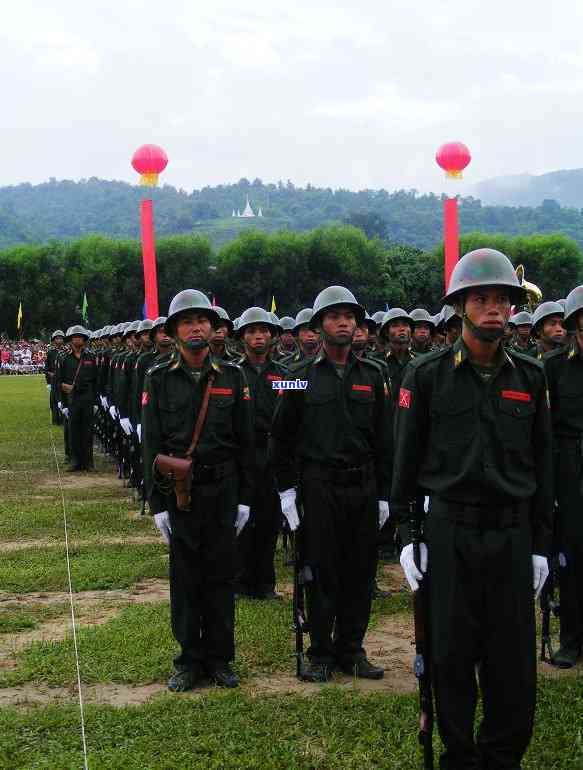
x=60, y=406
x=162, y=521
x=112, y=411
x=242, y=518
x=139, y=432
x=408, y=564
x=383, y=513
x=426, y=504
x=65, y=411
x=49, y=388
x=289, y=508
x=103, y=401
x=126, y=425
x=562, y=560
x=540, y=572
x=94, y=408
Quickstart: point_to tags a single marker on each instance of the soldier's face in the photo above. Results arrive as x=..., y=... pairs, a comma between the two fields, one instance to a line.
x=421, y=332
x=257, y=338
x=58, y=342
x=579, y=330
x=193, y=327
x=145, y=340
x=308, y=339
x=360, y=339
x=553, y=329
x=488, y=308
x=452, y=332
x=161, y=339
x=339, y=326
x=219, y=334
x=77, y=342
x=287, y=339
x=399, y=332
x=523, y=331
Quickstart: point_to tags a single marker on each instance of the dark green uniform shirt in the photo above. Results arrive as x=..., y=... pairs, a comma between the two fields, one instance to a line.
x=265, y=396
x=85, y=378
x=170, y=404
x=473, y=440
x=564, y=369
x=339, y=422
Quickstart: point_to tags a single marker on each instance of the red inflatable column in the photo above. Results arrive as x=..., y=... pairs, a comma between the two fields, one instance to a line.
x=149, y=256
x=451, y=237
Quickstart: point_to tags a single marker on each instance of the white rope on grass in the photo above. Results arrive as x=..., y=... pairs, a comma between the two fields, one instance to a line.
x=73, y=620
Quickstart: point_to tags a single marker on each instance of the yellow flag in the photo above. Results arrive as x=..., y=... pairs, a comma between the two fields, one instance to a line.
x=273, y=305
x=19, y=318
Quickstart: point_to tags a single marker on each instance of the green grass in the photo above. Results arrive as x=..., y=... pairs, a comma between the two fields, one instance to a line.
x=29, y=617
x=92, y=567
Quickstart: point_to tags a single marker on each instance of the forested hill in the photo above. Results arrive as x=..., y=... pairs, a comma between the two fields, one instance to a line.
x=565, y=187
x=65, y=210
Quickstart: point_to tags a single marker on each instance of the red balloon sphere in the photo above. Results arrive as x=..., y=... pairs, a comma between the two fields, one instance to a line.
x=453, y=157
x=149, y=159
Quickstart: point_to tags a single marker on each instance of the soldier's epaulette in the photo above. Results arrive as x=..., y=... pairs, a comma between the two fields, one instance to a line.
x=422, y=360
x=158, y=365
x=526, y=358
x=564, y=350
x=371, y=362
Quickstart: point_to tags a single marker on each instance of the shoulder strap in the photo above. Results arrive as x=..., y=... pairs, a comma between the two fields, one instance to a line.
x=77, y=372
x=201, y=416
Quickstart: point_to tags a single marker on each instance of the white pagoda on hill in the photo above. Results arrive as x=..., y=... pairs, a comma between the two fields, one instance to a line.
x=248, y=212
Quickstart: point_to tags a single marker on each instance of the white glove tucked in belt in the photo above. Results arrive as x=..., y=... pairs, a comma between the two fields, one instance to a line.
x=289, y=508
x=540, y=572
x=410, y=568
x=383, y=513
x=242, y=517
x=162, y=521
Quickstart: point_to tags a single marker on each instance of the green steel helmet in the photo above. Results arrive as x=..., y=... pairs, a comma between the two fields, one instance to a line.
x=303, y=318
x=131, y=328
x=520, y=319
x=57, y=333
x=224, y=316
x=378, y=317
x=77, y=331
x=395, y=314
x=236, y=323
x=484, y=268
x=421, y=316
x=335, y=296
x=190, y=299
x=545, y=310
x=574, y=306
x=255, y=315
x=276, y=322
x=562, y=302
x=448, y=316
x=287, y=323
x=157, y=322
x=145, y=325
x=370, y=322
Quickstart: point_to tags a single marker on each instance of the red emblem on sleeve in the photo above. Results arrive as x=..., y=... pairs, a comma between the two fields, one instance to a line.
x=516, y=395
x=145, y=398
x=405, y=398
x=364, y=388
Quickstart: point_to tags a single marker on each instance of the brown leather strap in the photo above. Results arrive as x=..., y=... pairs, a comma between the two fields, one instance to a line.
x=201, y=416
x=76, y=373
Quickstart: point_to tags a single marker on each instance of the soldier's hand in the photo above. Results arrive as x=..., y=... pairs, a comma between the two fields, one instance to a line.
x=94, y=408
x=60, y=406
x=139, y=432
x=65, y=411
x=383, y=513
x=113, y=412
x=242, y=518
x=289, y=508
x=540, y=572
x=162, y=521
x=126, y=425
x=66, y=388
x=410, y=569
x=49, y=388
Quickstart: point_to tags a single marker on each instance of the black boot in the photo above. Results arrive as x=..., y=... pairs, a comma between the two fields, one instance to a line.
x=185, y=678
x=317, y=672
x=222, y=675
x=363, y=669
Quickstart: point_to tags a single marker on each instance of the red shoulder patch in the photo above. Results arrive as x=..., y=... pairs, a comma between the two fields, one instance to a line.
x=516, y=395
x=145, y=398
x=364, y=388
x=404, y=398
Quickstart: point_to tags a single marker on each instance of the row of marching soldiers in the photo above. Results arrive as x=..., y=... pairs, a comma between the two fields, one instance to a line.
x=428, y=432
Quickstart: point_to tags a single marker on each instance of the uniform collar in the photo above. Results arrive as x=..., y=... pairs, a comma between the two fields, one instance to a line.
x=574, y=350
x=352, y=358
x=461, y=353
x=177, y=362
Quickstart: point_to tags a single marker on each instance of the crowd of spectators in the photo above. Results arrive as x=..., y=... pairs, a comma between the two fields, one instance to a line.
x=22, y=357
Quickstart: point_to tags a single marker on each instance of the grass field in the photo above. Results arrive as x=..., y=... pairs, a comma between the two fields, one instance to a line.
x=119, y=568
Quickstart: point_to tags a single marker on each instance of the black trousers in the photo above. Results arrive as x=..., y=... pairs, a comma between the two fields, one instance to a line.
x=81, y=432
x=340, y=547
x=256, y=543
x=56, y=416
x=202, y=554
x=482, y=623
x=569, y=475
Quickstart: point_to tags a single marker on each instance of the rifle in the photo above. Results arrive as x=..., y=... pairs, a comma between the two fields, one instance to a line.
x=302, y=575
x=548, y=605
x=422, y=665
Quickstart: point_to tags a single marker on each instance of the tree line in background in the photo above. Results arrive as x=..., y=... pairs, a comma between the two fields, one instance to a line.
x=51, y=279
x=67, y=210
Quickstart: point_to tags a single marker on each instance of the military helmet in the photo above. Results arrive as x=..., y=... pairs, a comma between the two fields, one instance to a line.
x=448, y=316
x=562, y=302
x=545, y=310
x=276, y=322
x=520, y=319
x=77, y=331
x=145, y=326
x=421, y=316
x=378, y=317
x=224, y=316
x=484, y=268
x=574, y=306
x=335, y=296
x=303, y=318
x=394, y=314
x=57, y=333
x=255, y=315
x=190, y=299
x=132, y=328
x=287, y=323
x=370, y=322
x=156, y=324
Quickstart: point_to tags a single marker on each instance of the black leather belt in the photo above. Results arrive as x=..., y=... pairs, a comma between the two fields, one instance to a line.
x=344, y=476
x=481, y=516
x=206, y=474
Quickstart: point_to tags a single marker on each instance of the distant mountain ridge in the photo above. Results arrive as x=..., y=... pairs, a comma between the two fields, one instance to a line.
x=67, y=210
x=565, y=187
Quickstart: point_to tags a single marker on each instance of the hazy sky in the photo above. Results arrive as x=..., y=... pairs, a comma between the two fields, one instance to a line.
x=319, y=92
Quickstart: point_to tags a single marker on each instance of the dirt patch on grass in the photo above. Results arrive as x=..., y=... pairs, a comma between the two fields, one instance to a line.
x=80, y=481
x=141, y=593
x=19, y=545
x=108, y=694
